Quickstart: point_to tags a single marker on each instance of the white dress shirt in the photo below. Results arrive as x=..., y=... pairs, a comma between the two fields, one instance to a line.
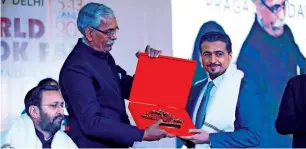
x=217, y=81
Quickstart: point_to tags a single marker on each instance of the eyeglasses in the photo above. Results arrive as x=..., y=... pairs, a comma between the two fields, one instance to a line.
x=56, y=105
x=275, y=8
x=109, y=32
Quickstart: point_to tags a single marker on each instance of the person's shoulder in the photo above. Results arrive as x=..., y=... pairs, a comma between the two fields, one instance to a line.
x=199, y=83
x=78, y=64
x=78, y=60
x=287, y=29
x=288, y=32
x=248, y=86
x=298, y=79
x=77, y=55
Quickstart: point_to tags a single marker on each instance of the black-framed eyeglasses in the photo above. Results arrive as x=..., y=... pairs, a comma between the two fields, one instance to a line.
x=109, y=32
x=275, y=8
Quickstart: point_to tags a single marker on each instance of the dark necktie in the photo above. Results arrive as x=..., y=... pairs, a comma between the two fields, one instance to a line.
x=203, y=106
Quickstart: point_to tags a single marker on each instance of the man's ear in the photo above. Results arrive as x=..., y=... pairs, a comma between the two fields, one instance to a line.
x=34, y=112
x=256, y=2
x=258, y=7
x=200, y=59
x=88, y=33
x=230, y=56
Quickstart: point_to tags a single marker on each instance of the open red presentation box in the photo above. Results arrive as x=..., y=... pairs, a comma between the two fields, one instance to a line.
x=162, y=83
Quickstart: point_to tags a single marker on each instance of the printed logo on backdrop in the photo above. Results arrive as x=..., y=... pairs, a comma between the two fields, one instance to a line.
x=34, y=3
x=294, y=8
x=62, y=16
x=44, y=31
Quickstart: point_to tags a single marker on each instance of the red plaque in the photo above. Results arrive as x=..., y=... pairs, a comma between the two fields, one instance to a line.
x=160, y=90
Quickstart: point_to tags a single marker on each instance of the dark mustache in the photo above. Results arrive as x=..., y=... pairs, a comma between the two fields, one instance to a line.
x=276, y=28
x=59, y=116
x=213, y=65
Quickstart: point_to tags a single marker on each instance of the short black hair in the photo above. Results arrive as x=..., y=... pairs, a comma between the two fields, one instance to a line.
x=34, y=96
x=47, y=81
x=213, y=36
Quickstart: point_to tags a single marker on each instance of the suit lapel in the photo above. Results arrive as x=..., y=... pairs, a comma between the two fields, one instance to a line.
x=194, y=95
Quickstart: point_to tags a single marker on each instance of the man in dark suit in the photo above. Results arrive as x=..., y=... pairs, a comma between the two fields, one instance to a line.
x=269, y=57
x=225, y=107
x=94, y=87
x=292, y=112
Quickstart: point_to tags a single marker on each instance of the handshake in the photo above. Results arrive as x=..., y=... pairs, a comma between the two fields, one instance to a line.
x=153, y=133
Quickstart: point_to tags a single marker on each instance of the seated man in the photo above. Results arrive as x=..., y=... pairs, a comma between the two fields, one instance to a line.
x=225, y=107
x=40, y=126
x=292, y=112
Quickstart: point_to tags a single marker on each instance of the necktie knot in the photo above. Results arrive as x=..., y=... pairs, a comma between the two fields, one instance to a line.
x=210, y=85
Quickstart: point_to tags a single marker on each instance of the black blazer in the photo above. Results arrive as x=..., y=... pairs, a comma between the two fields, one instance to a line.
x=292, y=112
x=94, y=88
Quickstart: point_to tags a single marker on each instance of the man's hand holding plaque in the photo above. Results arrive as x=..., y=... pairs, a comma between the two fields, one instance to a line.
x=147, y=108
x=153, y=133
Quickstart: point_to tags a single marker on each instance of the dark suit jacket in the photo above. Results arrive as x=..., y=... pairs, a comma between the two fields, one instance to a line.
x=270, y=62
x=248, y=123
x=292, y=112
x=94, y=88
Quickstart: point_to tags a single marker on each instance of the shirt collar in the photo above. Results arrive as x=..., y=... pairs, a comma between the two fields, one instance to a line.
x=84, y=41
x=85, y=47
x=217, y=81
x=41, y=136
